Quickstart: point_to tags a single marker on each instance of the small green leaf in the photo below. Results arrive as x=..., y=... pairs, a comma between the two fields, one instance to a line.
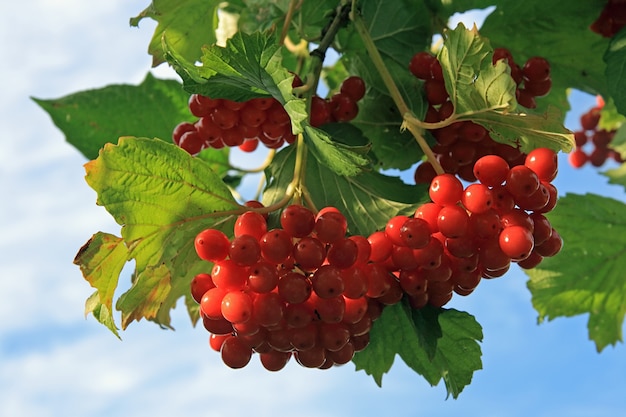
x=90, y=119
x=436, y=343
x=340, y=158
x=162, y=197
x=101, y=260
x=188, y=25
x=593, y=229
x=615, y=58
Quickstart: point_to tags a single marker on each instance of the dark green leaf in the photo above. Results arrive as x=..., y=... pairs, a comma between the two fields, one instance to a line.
x=615, y=58
x=436, y=343
x=368, y=200
x=587, y=277
x=560, y=34
x=92, y=118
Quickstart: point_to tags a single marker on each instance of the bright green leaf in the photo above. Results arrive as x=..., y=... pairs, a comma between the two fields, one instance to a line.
x=472, y=81
x=615, y=58
x=90, y=119
x=593, y=229
x=436, y=343
x=162, y=197
x=188, y=25
x=485, y=93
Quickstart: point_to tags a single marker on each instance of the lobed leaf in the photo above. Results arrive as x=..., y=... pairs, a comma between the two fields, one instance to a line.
x=162, y=197
x=472, y=81
x=92, y=118
x=593, y=229
x=436, y=343
x=485, y=93
x=188, y=24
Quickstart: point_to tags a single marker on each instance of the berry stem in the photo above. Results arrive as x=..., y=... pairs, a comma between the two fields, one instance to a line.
x=412, y=123
x=293, y=5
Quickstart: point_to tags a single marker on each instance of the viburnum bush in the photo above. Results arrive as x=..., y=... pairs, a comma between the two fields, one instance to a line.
x=336, y=257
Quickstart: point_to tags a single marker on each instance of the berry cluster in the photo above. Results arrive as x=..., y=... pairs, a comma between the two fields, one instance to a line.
x=466, y=234
x=303, y=290
x=596, y=141
x=308, y=291
x=459, y=145
x=611, y=19
x=225, y=122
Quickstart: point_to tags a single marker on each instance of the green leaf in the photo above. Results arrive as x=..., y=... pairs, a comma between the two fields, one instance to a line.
x=248, y=67
x=101, y=260
x=162, y=197
x=436, y=343
x=379, y=117
x=368, y=199
x=485, y=93
x=587, y=276
x=90, y=119
x=529, y=131
x=560, y=34
x=340, y=158
x=615, y=58
x=188, y=25
x=472, y=81
x=399, y=29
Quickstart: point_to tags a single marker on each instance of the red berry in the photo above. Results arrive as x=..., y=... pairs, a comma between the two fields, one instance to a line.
x=516, y=242
x=445, y=189
x=212, y=245
x=353, y=87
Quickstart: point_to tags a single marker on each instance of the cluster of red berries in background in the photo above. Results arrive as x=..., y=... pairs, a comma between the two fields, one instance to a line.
x=307, y=290
x=611, y=19
x=228, y=123
x=593, y=144
x=459, y=145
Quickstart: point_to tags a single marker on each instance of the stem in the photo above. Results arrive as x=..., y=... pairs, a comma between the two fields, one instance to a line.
x=412, y=123
x=287, y=23
x=328, y=35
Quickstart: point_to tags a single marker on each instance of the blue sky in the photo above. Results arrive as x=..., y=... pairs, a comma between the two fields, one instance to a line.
x=54, y=362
